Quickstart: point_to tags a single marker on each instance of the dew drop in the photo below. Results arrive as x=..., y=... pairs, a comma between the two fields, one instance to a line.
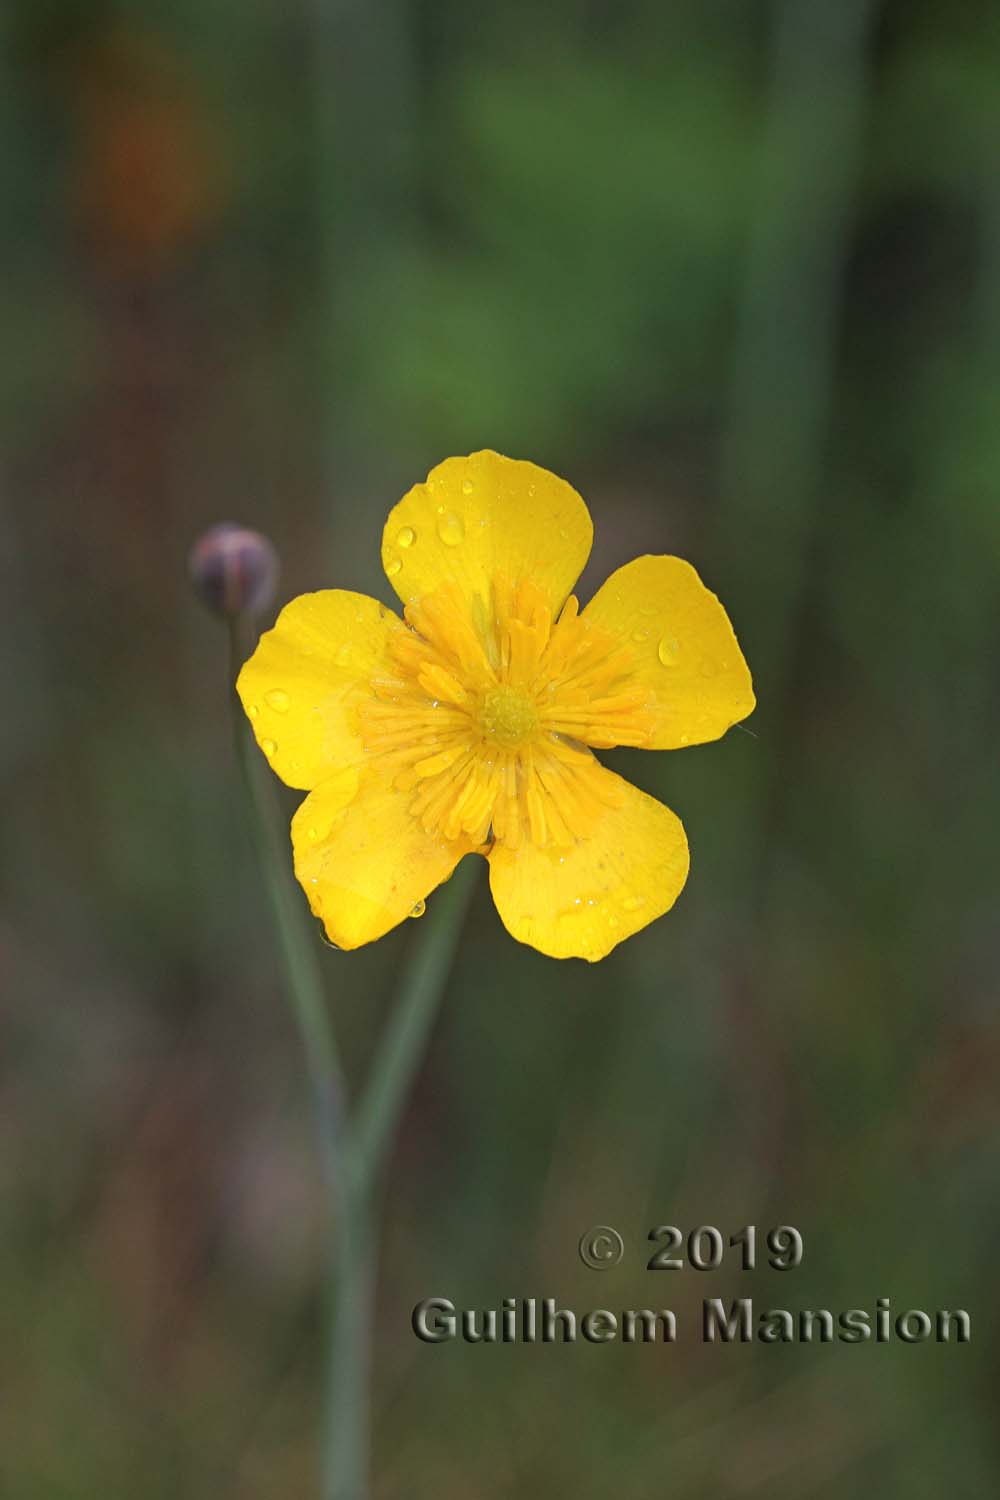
x=253, y=711
x=417, y=909
x=269, y=747
x=313, y=834
x=633, y=903
x=451, y=529
x=467, y=486
x=278, y=699
x=406, y=537
x=640, y=635
x=394, y=567
x=668, y=651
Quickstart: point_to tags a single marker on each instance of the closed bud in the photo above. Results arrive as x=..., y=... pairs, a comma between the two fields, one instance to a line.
x=234, y=570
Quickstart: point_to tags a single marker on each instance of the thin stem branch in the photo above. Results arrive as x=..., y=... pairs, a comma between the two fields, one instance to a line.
x=409, y=1025
x=298, y=950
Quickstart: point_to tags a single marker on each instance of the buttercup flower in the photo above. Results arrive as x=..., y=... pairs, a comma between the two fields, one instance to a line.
x=471, y=727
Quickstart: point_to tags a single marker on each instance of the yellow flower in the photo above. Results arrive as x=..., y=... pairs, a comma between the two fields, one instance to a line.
x=472, y=727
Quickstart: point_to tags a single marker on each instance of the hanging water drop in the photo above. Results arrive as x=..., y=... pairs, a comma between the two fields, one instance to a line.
x=451, y=529
x=417, y=909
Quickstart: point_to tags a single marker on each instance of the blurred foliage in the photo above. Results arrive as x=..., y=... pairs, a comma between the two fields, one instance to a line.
x=734, y=269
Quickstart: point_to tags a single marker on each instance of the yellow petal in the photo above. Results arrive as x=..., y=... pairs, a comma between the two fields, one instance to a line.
x=485, y=516
x=301, y=686
x=580, y=901
x=684, y=651
x=362, y=858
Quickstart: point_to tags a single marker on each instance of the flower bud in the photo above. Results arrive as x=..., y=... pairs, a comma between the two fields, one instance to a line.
x=234, y=570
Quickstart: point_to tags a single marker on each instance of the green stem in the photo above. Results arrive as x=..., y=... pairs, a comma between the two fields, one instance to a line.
x=353, y=1313
x=405, y=1039
x=298, y=948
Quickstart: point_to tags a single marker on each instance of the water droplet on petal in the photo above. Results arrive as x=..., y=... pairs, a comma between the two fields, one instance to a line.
x=633, y=903
x=253, y=711
x=278, y=699
x=313, y=834
x=417, y=909
x=467, y=486
x=668, y=651
x=269, y=747
x=640, y=635
x=406, y=537
x=451, y=529
x=394, y=567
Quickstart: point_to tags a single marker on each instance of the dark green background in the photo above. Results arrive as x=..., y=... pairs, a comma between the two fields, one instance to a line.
x=734, y=270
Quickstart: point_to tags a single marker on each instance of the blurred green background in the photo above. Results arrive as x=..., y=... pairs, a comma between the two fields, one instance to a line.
x=733, y=269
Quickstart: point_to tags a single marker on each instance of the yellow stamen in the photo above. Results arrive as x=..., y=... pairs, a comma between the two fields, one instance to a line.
x=489, y=721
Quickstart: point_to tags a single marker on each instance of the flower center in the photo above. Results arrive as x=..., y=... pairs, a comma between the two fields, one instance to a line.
x=509, y=717
x=487, y=718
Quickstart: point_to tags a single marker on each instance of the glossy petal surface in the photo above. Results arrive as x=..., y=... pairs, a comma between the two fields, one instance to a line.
x=580, y=902
x=363, y=861
x=483, y=517
x=302, y=685
x=684, y=652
